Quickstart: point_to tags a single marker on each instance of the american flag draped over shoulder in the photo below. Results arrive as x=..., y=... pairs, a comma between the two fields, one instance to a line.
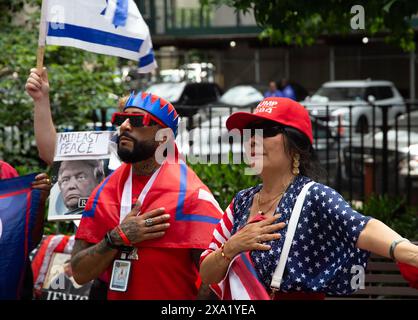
x=241, y=281
x=323, y=250
x=19, y=205
x=193, y=210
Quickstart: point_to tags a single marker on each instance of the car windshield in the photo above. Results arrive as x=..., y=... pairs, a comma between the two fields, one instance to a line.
x=168, y=91
x=341, y=93
x=241, y=96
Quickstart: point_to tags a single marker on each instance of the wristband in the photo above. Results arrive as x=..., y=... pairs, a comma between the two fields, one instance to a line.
x=393, y=246
x=123, y=236
x=109, y=241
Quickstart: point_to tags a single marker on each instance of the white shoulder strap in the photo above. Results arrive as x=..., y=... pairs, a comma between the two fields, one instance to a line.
x=291, y=228
x=126, y=200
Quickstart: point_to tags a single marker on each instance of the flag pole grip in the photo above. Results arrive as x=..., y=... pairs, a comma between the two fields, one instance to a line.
x=40, y=59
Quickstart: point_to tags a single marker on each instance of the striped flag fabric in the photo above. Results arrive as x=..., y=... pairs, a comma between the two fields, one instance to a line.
x=50, y=244
x=241, y=281
x=112, y=27
x=19, y=205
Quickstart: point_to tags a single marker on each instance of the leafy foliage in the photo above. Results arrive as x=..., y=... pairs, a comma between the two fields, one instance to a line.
x=224, y=180
x=394, y=213
x=300, y=22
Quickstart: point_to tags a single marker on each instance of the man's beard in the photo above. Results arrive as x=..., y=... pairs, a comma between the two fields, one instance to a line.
x=142, y=150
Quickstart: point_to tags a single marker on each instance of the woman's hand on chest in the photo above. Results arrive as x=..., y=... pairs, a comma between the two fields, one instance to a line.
x=253, y=235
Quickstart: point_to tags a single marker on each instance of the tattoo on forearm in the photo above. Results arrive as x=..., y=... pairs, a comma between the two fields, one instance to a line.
x=80, y=252
x=77, y=253
x=80, y=245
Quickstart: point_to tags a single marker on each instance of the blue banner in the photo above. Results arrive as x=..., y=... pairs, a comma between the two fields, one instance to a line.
x=19, y=205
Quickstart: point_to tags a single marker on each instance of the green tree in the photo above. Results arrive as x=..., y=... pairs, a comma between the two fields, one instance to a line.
x=300, y=22
x=80, y=81
x=225, y=180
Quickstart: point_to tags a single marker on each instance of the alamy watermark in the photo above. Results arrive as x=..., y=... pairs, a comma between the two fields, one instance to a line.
x=358, y=279
x=357, y=21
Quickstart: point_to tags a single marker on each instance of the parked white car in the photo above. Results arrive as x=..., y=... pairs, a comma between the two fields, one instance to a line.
x=359, y=95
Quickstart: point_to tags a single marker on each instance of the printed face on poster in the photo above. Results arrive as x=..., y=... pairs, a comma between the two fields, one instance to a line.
x=81, y=162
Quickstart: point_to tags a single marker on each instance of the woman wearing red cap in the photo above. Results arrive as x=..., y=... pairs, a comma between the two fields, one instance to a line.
x=291, y=237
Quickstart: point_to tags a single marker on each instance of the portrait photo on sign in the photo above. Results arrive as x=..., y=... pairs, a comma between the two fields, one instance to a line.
x=81, y=162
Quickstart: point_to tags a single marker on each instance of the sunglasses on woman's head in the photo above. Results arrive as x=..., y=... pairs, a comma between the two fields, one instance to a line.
x=136, y=120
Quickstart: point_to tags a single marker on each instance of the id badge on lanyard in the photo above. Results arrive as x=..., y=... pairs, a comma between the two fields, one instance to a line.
x=121, y=270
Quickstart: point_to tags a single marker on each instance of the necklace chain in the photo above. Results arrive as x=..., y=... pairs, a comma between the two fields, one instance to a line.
x=262, y=212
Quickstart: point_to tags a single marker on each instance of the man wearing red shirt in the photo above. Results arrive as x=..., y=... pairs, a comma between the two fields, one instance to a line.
x=171, y=221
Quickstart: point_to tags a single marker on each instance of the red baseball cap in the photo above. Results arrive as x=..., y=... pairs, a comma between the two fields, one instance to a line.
x=284, y=111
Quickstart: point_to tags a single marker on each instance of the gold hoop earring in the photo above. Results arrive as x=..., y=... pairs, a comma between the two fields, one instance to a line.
x=296, y=164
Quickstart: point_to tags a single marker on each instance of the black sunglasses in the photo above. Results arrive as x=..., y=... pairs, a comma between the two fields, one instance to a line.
x=268, y=129
x=136, y=120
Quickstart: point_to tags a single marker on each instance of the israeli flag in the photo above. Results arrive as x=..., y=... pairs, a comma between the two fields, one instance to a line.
x=112, y=27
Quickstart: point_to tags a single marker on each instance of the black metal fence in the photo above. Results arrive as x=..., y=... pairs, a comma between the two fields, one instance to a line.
x=362, y=153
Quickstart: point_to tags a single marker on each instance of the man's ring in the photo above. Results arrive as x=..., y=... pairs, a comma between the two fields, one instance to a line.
x=148, y=222
x=48, y=181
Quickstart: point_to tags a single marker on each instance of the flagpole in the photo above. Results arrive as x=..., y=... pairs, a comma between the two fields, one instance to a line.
x=40, y=58
x=42, y=38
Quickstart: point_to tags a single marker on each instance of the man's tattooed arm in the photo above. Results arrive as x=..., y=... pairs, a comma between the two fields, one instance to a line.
x=89, y=261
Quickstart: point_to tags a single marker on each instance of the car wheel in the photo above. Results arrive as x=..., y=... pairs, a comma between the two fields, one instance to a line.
x=362, y=125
